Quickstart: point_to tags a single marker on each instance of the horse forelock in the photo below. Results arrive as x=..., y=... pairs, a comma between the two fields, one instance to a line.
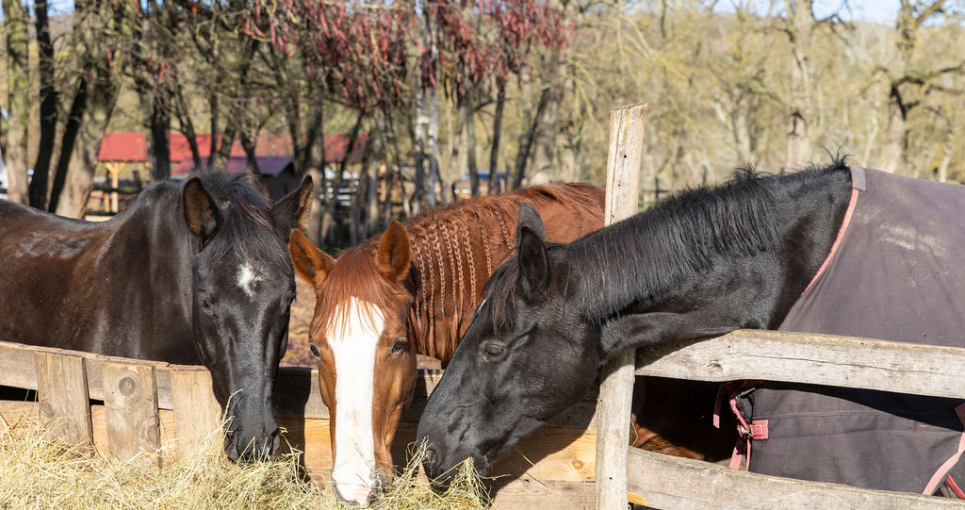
x=247, y=227
x=355, y=276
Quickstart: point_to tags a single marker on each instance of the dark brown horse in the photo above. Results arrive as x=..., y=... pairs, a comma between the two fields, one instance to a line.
x=411, y=290
x=190, y=273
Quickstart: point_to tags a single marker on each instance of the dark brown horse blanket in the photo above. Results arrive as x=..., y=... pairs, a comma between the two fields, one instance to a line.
x=897, y=272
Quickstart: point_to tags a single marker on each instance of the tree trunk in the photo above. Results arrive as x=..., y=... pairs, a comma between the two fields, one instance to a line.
x=82, y=139
x=18, y=98
x=800, y=23
x=525, y=146
x=315, y=166
x=332, y=222
x=457, y=158
x=497, y=134
x=544, y=158
x=742, y=136
x=393, y=165
x=360, y=201
x=471, y=150
x=433, y=146
x=186, y=125
x=160, y=147
x=248, y=142
x=213, y=109
x=895, y=137
x=418, y=133
x=220, y=159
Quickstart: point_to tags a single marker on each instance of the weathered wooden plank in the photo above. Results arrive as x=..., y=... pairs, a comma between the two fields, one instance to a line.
x=98, y=416
x=616, y=376
x=548, y=454
x=813, y=359
x=14, y=412
x=197, y=413
x=528, y=493
x=674, y=483
x=17, y=369
x=130, y=401
x=63, y=397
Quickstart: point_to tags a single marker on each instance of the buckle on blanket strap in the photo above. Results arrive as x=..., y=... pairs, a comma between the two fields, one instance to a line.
x=747, y=431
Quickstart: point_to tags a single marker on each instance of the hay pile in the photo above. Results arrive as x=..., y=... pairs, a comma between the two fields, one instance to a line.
x=38, y=471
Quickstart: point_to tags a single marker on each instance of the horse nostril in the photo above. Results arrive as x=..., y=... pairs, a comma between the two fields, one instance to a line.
x=431, y=461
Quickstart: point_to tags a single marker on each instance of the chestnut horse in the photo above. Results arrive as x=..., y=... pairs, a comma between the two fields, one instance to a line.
x=410, y=290
x=190, y=273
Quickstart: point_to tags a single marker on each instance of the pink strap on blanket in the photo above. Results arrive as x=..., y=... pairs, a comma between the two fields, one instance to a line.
x=947, y=466
x=837, y=241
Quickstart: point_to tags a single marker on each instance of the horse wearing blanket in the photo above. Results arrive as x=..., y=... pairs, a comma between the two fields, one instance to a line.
x=835, y=250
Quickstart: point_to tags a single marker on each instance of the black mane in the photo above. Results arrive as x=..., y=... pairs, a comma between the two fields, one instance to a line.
x=247, y=226
x=659, y=249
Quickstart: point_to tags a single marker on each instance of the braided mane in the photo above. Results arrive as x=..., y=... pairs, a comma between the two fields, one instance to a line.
x=453, y=249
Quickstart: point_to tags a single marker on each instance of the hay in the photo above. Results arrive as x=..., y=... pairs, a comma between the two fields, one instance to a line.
x=37, y=471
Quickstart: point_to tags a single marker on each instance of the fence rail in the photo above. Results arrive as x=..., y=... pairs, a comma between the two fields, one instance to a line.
x=126, y=408
x=665, y=482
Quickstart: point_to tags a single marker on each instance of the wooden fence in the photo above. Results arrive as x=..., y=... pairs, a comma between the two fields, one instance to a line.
x=128, y=408
x=664, y=482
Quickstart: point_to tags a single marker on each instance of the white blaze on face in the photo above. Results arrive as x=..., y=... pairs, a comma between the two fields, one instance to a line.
x=353, y=337
x=247, y=278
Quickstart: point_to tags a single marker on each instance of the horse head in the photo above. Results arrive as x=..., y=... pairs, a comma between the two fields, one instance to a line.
x=527, y=356
x=367, y=367
x=243, y=284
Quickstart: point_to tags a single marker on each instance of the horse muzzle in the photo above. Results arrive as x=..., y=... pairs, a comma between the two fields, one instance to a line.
x=241, y=446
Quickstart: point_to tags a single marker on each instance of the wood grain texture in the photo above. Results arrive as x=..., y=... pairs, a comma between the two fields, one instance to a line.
x=197, y=413
x=296, y=390
x=130, y=402
x=530, y=494
x=551, y=453
x=812, y=359
x=98, y=416
x=63, y=398
x=616, y=376
x=671, y=483
x=14, y=412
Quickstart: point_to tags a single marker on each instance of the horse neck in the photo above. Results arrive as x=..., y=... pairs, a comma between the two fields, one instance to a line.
x=152, y=242
x=641, y=262
x=451, y=260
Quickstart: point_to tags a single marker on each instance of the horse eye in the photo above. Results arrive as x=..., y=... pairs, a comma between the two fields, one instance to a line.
x=398, y=346
x=493, y=352
x=206, y=305
x=314, y=347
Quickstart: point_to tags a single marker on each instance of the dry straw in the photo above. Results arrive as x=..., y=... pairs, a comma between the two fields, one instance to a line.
x=37, y=471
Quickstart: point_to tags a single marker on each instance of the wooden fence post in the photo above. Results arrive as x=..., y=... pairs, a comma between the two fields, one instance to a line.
x=616, y=388
x=197, y=412
x=130, y=401
x=63, y=396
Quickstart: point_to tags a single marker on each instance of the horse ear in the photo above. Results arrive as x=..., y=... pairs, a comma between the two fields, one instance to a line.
x=528, y=217
x=293, y=209
x=534, y=271
x=393, y=253
x=312, y=264
x=200, y=210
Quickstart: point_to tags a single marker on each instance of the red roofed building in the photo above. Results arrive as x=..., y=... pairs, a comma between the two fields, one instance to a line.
x=132, y=147
x=126, y=155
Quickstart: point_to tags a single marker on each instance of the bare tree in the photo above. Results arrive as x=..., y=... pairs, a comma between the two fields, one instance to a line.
x=18, y=99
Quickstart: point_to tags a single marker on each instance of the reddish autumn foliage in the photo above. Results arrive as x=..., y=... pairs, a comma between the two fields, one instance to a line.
x=359, y=49
x=356, y=48
x=479, y=39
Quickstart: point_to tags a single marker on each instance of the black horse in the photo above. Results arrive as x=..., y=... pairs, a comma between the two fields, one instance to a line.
x=703, y=263
x=191, y=273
